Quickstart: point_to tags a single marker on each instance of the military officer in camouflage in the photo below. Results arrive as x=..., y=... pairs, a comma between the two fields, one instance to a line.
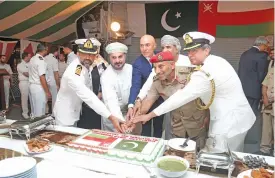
x=186, y=121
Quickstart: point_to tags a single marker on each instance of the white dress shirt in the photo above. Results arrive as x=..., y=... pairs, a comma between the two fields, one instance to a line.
x=147, y=85
x=22, y=68
x=116, y=85
x=52, y=66
x=73, y=91
x=71, y=56
x=61, y=68
x=37, y=68
x=230, y=112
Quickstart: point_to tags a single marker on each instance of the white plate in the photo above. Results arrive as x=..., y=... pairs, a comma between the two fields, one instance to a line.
x=23, y=164
x=31, y=152
x=176, y=142
x=247, y=173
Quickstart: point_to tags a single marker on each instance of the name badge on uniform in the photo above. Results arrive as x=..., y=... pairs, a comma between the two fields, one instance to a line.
x=78, y=70
x=41, y=58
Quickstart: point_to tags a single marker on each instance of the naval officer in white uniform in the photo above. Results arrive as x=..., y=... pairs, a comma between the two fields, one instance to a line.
x=116, y=83
x=39, y=89
x=53, y=76
x=230, y=113
x=75, y=88
x=23, y=76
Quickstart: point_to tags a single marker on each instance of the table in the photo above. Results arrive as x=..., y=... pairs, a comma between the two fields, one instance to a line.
x=67, y=161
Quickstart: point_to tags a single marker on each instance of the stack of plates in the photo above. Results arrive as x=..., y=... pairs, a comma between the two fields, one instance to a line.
x=18, y=167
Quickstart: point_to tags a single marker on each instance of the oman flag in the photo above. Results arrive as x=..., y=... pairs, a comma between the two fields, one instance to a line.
x=236, y=18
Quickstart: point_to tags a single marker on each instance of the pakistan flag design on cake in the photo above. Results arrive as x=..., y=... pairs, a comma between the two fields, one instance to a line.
x=120, y=147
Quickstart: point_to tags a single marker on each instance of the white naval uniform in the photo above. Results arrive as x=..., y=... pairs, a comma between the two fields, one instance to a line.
x=116, y=85
x=7, y=82
x=75, y=89
x=61, y=68
x=145, y=89
x=71, y=57
x=37, y=68
x=52, y=66
x=24, y=86
x=230, y=113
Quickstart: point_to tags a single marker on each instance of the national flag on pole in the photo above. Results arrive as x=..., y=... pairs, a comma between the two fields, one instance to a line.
x=28, y=46
x=6, y=48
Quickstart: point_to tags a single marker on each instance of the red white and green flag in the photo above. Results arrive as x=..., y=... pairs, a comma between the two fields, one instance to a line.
x=236, y=19
x=225, y=19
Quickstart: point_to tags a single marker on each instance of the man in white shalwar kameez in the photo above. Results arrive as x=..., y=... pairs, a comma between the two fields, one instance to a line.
x=116, y=83
x=230, y=113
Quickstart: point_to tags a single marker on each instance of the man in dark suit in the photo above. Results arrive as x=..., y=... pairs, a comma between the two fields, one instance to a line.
x=252, y=71
x=141, y=71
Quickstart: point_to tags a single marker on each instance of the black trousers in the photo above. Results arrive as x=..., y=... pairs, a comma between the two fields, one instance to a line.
x=89, y=119
x=157, y=127
x=254, y=104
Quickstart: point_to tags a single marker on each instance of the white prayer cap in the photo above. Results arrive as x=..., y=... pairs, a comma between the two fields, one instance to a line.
x=116, y=47
x=95, y=42
x=170, y=40
x=194, y=40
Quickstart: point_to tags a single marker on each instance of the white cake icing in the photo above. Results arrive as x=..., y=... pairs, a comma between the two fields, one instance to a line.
x=132, y=148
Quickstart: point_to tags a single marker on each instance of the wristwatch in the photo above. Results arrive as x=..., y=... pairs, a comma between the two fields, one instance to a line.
x=130, y=106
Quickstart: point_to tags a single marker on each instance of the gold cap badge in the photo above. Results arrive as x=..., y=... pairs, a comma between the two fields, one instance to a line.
x=88, y=44
x=188, y=39
x=160, y=57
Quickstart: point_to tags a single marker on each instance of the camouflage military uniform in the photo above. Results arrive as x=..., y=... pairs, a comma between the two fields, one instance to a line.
x=268, y=113
x=186, y=120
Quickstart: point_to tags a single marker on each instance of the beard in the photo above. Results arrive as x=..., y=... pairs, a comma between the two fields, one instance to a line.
x=117, y=66
x=87, y=63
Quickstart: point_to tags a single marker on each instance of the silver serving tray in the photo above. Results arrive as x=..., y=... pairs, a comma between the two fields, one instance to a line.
x=25, y=128
x=217, y=159
x=32, y=123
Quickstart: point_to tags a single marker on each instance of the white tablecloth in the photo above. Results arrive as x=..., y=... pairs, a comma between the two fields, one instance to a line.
x=58, y=158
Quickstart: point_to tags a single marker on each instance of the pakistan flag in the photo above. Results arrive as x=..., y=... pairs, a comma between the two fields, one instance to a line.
x=173, y=18
x=130, y=145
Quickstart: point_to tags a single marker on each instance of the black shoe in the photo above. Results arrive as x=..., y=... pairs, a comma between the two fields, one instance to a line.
x=262, y=153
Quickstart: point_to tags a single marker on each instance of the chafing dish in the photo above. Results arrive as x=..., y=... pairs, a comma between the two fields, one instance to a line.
x=214, y=161
x=25, y=128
